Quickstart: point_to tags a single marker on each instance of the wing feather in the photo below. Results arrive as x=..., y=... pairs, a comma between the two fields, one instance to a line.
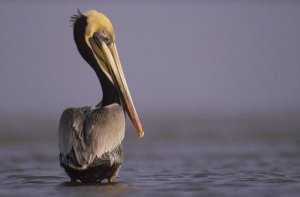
x=70, y=129
x=105, y=129
x=85, y=134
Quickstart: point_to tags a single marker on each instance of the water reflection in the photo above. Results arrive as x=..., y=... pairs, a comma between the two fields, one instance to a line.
x=195, y=162
x=80, y=189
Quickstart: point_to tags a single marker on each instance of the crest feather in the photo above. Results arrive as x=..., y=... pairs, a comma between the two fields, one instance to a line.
x=75, y=17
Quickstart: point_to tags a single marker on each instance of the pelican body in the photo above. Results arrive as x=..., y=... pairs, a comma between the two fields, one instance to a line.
x=90, y=138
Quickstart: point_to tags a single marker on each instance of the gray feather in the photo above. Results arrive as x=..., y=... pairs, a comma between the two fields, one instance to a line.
x=86, y=133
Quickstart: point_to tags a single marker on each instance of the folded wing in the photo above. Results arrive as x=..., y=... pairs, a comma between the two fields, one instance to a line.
x=87, y=133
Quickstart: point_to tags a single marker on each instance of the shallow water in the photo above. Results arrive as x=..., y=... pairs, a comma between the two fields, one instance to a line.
x=188, y=159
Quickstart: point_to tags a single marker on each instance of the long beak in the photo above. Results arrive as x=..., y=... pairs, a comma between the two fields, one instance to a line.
x=116, y=72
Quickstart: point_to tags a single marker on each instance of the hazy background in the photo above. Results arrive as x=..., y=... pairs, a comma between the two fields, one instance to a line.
x=184, y=60
x=216, y=85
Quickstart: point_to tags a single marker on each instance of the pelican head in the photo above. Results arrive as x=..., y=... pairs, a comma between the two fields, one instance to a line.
x=95, y=38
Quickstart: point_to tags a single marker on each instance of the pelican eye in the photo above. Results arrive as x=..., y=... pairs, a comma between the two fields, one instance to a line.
x=104, y=31
x=106, y=36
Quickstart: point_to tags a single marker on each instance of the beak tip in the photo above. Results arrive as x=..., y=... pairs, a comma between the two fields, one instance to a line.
x=141, y=134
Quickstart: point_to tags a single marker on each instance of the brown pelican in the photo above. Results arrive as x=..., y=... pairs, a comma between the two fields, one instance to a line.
x=90, y=138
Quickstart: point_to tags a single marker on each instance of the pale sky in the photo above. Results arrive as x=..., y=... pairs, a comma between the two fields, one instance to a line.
x=223, y=57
